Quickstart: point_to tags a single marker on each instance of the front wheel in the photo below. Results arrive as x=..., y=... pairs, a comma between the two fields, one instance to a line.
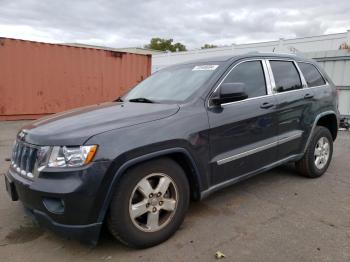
x=318, y=154
x=149, y=203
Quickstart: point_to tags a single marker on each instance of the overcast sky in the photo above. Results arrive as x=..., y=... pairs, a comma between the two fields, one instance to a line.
x=119, y=23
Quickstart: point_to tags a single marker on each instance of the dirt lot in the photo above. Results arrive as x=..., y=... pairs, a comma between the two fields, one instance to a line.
x=275, y=216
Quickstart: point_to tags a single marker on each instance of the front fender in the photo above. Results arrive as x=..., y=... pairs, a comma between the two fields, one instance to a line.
x=134, y=161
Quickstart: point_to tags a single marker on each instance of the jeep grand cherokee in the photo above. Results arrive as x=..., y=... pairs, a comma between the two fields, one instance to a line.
x=183, y=133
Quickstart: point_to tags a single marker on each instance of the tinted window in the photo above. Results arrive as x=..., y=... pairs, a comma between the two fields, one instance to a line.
x=251, y=74
x=311, y=75
x=286, y=76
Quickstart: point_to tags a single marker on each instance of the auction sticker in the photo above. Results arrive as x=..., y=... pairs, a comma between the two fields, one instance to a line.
x=205, y=68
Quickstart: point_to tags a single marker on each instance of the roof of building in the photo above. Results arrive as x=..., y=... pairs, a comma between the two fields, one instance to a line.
x=134, y=50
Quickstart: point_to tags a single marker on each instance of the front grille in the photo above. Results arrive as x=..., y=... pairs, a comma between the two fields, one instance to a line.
x=24, y=158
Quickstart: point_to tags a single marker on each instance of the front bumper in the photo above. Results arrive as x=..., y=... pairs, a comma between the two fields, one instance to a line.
x=88, y=234
x=67, y=203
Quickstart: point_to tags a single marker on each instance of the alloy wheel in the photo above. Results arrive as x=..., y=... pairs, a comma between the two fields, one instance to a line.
x=321, y=153
x=153, y=202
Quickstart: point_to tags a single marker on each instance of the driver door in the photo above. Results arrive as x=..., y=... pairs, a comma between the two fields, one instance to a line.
x=243, y=134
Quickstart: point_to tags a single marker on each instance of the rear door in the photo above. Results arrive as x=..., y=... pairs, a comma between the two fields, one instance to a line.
x=243, y=134
x=294, y=106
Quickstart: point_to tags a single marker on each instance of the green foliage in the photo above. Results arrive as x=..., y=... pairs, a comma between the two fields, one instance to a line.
x=165, y=45
x=206, y=46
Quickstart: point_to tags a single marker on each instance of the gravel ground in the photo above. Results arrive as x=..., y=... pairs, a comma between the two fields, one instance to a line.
x=275, y=216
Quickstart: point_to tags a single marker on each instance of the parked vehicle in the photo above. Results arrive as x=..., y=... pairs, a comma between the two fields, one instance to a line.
x=183, y=133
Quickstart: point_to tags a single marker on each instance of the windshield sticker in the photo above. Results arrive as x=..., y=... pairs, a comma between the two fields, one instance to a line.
x=205, y=68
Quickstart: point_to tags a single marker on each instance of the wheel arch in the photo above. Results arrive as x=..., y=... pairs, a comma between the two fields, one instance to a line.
x=330, y=122
x=179, y=155
x=323, y=115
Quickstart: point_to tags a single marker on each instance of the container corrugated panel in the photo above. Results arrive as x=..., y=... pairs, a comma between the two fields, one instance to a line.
x=39, y=78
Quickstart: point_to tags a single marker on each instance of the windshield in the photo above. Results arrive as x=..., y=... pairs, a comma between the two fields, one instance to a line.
x=172, y=84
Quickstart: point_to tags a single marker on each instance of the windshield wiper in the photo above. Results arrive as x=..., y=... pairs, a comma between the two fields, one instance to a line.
x=141, y=100
x=119, y=99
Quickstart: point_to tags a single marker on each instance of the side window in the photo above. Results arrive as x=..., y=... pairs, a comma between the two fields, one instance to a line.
x=286, y=76
x=311, y=75
x=251, y=74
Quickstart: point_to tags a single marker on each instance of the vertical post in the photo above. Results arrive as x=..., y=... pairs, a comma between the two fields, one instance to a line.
x=233, y=47
x=348, y=37
x=281, y=44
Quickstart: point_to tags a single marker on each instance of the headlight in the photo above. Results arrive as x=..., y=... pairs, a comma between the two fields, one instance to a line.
x=71, y=156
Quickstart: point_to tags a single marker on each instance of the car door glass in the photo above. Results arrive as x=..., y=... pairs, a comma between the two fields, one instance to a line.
x=286, y=76
x=251, y=74
x=311, y=75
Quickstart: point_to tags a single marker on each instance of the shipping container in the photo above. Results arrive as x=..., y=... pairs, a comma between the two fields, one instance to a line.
x=37, y=79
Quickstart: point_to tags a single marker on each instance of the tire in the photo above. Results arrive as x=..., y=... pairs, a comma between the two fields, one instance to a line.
x=307, y=165
x=130, y=197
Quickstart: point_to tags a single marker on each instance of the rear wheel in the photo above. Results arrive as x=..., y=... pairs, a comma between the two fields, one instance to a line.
x=318, y=154
x=149, y=203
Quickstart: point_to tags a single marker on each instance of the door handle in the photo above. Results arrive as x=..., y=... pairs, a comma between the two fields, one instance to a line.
x=266, y=105
x=308, y=96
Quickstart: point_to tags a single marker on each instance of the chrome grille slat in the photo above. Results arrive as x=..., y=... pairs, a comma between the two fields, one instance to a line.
x=14, y=152
x=24, y=158
x=32, y=158
x=19, y=155
x=28, y=156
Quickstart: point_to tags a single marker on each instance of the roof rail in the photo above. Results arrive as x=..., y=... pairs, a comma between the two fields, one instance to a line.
x=272, y=53
x=284, y=53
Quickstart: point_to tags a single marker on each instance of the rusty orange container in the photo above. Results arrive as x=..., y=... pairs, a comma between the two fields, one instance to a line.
x=37, y=79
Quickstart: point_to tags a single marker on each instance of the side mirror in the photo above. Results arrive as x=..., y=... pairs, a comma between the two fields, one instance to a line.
x=230, y=92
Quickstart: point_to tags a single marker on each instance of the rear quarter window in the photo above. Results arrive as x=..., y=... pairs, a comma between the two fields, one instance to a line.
x=311, y=75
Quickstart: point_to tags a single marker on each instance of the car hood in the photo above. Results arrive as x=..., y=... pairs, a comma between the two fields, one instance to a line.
x=76, y=126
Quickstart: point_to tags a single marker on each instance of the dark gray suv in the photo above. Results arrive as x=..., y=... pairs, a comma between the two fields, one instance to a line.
x=181, y=134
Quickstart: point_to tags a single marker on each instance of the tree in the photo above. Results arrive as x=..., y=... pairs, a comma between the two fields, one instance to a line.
x=206, y=46
x=157, y=43
x=344, y=46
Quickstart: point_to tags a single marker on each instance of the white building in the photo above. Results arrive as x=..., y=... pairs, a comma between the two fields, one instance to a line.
x=323, y=48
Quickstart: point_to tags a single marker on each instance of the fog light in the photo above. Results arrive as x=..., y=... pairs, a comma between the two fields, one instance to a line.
x=54, y=205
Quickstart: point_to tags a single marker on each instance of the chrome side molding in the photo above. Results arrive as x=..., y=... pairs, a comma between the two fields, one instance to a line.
x=258, y=149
